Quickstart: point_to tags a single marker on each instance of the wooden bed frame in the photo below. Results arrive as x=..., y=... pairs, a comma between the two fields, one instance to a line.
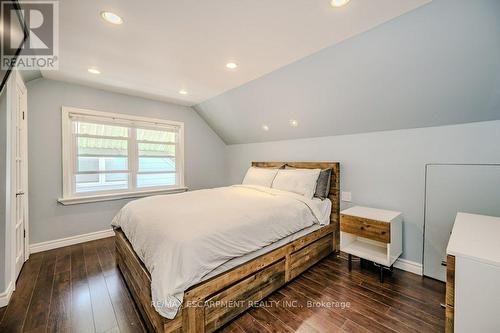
x=211, y=304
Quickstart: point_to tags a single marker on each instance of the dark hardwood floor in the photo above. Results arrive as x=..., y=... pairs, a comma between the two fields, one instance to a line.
x=79, y=289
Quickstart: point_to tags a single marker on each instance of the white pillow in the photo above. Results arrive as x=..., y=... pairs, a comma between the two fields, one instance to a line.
x=300, y=181
x=260, y=176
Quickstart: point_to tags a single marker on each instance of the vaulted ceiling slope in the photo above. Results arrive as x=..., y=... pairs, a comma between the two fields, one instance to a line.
x=437, y=65
x=167, y=46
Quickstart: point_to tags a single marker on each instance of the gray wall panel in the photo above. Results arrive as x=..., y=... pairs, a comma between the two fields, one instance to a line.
x=451, y=189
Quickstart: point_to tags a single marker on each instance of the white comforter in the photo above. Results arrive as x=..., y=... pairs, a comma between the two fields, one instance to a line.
x=182, y=237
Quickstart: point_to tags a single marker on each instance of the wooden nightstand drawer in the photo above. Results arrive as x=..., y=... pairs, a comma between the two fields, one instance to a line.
x=371, y=229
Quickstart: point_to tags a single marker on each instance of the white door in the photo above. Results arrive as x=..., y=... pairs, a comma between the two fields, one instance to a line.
x=19, y=123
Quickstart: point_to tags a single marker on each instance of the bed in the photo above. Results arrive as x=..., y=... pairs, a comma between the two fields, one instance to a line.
x=230, y=281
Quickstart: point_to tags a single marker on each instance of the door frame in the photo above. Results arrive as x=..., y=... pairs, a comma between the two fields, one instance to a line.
x=15, y=81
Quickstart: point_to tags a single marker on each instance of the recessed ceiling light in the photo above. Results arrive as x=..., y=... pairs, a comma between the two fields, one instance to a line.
x=265, y=128
x=339, y=3
x=94, y=71
x=111, y=18
x=183, y=92
x=294, y=123
x=231, y=65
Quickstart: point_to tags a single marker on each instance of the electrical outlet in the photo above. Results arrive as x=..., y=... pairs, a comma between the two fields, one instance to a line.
x=346, y=196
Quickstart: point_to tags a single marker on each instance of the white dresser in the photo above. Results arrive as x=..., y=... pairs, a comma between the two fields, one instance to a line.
x=473, y=275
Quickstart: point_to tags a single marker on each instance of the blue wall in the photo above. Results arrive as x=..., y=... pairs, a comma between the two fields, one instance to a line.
x=204, y=155
x=383, y=169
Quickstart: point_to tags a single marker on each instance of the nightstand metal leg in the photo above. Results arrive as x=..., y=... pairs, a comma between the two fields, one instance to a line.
x=382, y=268
x=349, y=258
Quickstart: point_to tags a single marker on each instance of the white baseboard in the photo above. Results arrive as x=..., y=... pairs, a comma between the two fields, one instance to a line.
x=54, y=244
x=409, y=266
x=5, y=296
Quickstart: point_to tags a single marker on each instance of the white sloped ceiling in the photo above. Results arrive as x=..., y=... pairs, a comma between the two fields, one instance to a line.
x=165, y=46
x=436, y=65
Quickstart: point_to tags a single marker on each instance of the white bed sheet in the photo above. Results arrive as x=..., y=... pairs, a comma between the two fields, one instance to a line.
x=183, y=237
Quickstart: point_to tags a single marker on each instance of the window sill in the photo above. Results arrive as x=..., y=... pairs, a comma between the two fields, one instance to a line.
x=118, y=196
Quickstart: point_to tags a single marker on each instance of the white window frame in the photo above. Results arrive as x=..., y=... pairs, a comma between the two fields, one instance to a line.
x=68, y=159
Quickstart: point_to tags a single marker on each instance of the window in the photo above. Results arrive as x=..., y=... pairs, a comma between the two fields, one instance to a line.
x=108, y=155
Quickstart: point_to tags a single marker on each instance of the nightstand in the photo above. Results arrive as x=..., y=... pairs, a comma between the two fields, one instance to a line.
x=372, y=234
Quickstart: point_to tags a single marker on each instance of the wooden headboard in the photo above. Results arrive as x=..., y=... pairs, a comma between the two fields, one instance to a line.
x=334, y=194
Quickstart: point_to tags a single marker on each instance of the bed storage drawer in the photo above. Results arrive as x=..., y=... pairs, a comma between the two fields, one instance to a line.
x=309, y=255
x=226, y=305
